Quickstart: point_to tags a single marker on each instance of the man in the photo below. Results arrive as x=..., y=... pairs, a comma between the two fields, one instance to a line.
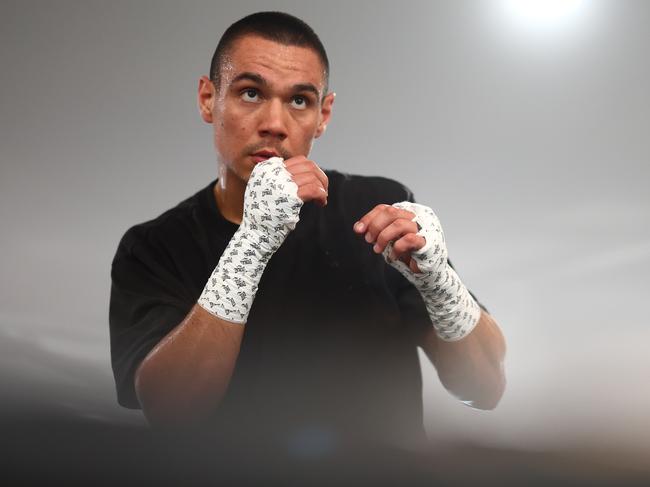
x=283, y=302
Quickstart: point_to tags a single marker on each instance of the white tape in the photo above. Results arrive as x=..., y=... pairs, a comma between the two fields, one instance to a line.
x=453, y=311
x=271, y=211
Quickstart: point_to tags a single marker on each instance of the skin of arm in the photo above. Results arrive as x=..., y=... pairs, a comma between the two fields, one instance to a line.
x=185, y=376
x=470, y=368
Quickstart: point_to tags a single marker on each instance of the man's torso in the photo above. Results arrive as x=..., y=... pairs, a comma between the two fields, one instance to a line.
x=329, y=346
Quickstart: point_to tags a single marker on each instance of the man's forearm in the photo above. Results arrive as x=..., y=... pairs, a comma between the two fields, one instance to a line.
x=471, y=368
x=464, y=343
x=184, y=378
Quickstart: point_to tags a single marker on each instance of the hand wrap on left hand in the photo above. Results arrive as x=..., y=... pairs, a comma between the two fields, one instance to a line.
x=453, y=311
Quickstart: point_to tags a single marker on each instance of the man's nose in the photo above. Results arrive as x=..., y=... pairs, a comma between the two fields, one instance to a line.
x=273, y=120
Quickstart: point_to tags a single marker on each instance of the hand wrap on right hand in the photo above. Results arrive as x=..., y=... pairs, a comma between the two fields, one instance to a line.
x=271, y=211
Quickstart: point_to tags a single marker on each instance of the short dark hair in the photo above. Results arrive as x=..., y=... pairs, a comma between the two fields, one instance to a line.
x=274, y=26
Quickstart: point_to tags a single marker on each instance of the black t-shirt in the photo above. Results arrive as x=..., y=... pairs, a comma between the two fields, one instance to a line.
x=329, y=347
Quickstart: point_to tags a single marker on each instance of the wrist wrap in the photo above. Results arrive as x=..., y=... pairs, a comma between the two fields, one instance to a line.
x=271, y=211
x=453, y=311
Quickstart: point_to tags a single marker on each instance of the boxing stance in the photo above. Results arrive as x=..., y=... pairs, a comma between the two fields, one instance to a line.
x=267, y=99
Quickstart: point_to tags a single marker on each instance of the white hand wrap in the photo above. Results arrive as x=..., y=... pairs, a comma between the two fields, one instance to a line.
x=452, y=310
x=271, y=211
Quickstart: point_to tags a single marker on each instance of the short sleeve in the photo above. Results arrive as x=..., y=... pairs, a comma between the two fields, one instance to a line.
x=147, y=302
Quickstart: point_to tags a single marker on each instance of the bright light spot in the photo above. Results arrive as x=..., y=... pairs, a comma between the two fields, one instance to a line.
x=544, y=15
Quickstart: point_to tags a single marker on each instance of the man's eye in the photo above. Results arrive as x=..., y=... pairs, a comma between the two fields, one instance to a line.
x=299, y=102
x=250, y=95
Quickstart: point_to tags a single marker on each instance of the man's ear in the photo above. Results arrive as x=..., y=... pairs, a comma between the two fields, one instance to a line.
x=325, y=113
x=206, y=97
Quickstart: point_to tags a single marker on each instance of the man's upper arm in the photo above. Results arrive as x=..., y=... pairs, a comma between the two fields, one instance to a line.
x=147, y=302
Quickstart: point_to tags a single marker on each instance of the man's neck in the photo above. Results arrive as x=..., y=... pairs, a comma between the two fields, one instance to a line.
x=229, y=195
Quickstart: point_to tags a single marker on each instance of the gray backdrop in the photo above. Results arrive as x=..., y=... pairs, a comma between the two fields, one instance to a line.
x=529, y=140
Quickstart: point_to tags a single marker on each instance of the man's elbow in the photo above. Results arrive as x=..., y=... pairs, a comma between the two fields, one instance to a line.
x=489, y=399
x=155, y=408
x=160, y=408
x=168, y=404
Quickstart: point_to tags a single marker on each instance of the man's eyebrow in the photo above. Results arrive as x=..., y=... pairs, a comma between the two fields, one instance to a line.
x=306, y=87
x=256, y=78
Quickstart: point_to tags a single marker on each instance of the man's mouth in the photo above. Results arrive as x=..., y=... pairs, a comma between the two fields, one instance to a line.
x=263, y=155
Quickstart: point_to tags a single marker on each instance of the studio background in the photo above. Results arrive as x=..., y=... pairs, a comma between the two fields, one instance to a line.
x=528, y=137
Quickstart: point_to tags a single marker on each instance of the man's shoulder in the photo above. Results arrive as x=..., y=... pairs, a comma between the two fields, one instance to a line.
x=368, y=187
x=166, y=225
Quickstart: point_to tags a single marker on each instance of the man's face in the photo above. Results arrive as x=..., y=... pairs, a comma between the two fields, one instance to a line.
x=269, y=102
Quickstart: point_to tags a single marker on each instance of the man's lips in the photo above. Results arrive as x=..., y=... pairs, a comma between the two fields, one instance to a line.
x=263, y=155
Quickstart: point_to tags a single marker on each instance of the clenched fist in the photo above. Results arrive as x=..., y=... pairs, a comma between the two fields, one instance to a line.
x=411, y=239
